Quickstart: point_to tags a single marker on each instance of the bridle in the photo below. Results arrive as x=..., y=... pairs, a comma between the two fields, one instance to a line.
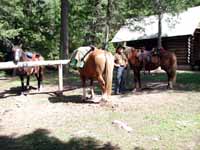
x=17, y=54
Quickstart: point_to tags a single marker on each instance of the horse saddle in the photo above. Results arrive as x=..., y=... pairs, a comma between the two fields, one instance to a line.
x=145, y=56
x=29, y=54
x=78, y=59
x=32, y=56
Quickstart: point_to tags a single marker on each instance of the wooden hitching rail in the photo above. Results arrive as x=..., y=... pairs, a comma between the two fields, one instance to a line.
x=60, y=63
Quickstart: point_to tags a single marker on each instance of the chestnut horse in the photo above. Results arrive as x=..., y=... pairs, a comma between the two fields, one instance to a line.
x=149, y=61
x=98, y=65
x=21, y=56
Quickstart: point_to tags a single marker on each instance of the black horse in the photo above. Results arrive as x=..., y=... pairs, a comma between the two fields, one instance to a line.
x=21, y=56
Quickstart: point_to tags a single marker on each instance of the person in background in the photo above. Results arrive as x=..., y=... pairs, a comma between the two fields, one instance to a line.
x=121, y=63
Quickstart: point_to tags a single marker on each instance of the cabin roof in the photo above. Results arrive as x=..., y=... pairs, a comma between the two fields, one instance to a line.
x=180, y=24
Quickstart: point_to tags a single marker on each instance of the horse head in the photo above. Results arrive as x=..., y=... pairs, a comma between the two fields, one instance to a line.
x=131, y=54
x=17, y=53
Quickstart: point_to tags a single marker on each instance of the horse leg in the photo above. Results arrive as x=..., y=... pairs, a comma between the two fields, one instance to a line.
x=103, y=87
x=84, y=89
x=144, y=69
x=27, y=82
x=22, y=85
x=149, y=72
x=38, y=82
x=91, y=89
x=137, y=80
x=170, y=81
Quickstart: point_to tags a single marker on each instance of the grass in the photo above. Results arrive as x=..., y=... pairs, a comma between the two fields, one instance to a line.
x=182, y=77
x=2, y=74
x=181, y=126
x=186, y=80
x=160, y=121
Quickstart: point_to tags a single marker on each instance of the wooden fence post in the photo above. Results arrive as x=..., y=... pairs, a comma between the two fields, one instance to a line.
x=60, y=77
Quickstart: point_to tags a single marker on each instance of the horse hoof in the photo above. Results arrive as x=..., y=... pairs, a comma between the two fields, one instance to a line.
x=170, y=88
x=39, y=90
x=95, y=100
x=136, y=90
x=83, y=99
x=23, y=94
x=103, y=99
x=91, y=97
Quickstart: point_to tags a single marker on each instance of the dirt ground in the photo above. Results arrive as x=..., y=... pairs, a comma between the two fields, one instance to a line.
x=158, y=118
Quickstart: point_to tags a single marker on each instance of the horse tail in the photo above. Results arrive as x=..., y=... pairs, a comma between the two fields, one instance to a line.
x=109, y=65
x=174, y=67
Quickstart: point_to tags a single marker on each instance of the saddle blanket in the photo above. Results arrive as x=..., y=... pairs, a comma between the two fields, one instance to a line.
x=77, y=59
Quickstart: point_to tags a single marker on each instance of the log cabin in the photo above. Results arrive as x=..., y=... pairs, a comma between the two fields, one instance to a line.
x=180, y=34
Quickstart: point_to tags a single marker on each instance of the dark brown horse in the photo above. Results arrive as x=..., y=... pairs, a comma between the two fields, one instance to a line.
x=98, y=65
x=21, y=56
x=146, y=60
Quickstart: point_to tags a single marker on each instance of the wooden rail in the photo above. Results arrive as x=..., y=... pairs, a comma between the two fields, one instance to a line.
x=60, y=63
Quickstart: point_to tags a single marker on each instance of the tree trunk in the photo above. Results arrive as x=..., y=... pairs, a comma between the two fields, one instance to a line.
x=107, y=27
x=94, y=27
x=64, y=38
x=158, y=6
x=105, y=46
x=159, y=30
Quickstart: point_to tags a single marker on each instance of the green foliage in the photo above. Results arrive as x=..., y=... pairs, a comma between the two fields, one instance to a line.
x=36, y=23
x=7, y=32
x=41, y=30
x=146, y=7
x=9, y=14
x=89, y=20
x=111, y=47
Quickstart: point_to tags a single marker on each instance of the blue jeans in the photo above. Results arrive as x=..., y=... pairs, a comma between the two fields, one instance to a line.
x=119, y=83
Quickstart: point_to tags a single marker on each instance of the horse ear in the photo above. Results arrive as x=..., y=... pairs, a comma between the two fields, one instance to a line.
x=92, y=47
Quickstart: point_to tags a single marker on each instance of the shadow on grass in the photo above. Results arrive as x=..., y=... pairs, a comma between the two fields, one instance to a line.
x=41, y=140
x=71, y=82
x=15, y=91
x=70, y=99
